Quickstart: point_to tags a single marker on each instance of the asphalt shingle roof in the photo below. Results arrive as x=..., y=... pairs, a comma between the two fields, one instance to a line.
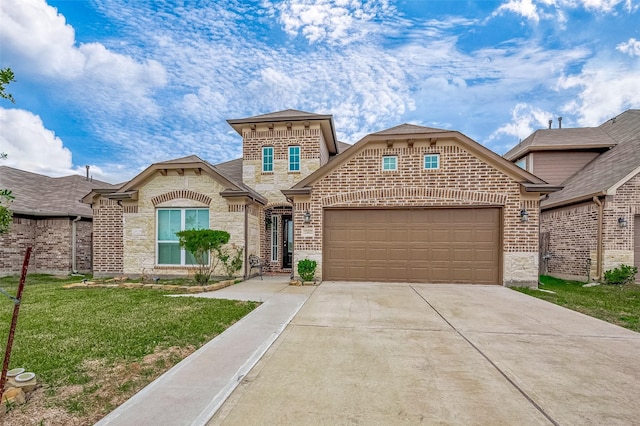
x=609, y=168
x=40, y=195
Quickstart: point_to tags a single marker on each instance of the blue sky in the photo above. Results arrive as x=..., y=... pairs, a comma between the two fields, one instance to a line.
x=120, y=84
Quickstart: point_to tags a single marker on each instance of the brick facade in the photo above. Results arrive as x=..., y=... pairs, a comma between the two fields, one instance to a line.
x=462, y=180
x=573, y=234
x=51, y=239
x=108, y=252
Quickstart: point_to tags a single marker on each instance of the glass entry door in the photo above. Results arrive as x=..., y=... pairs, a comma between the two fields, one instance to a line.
x=287, y=242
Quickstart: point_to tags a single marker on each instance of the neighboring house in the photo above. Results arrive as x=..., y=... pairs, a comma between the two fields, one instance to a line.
x=410, y=203
x=593, y=224
x=48, y=215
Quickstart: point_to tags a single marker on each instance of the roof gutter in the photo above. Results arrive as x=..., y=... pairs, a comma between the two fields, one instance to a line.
x=545, y=188
x=230, y=193
x=575, y=200
x=289, y=193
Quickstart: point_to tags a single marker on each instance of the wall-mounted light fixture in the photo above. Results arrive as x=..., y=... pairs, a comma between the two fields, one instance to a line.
x=307, y=217
x=524, y=215
x=622, y=222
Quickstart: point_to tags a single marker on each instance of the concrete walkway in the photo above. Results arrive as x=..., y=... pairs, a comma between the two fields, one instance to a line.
x=192, y=391
x=385, y=354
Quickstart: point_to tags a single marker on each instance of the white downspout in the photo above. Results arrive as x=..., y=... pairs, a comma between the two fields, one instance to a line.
x=74, y=248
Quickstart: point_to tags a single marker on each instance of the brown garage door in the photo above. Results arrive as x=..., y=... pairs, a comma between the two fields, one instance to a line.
x=414, y=245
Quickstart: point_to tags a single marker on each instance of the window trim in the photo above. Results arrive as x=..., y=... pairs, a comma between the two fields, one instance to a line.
x=433, y=155
x=298, y=155
x=265, y=156
x=183, y=255
x=384, y=163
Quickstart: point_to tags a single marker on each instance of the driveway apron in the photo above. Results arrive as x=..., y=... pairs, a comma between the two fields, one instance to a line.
x=370, y=353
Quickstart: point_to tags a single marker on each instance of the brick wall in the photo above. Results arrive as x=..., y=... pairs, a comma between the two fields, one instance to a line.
x=573, y=240
x=573, y=234
x=107, y=238
x=14, y=245
x=269, y=184
x=53, y=245
x=51, y=239
x=462, y=180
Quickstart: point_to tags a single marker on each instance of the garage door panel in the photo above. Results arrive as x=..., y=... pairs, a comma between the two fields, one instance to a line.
x=418, y=245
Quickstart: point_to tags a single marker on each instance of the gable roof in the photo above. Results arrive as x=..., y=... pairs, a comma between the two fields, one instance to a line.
x=411, y=131
x=561, y=139
x=611, y=169
x=228, y=174
x=293, y=115
x=39, y=195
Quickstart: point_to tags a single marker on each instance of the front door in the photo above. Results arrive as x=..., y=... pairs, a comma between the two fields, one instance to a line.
x=287, y=242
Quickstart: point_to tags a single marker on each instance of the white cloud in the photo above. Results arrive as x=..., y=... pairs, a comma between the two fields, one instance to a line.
x=535, y=10
x=30, y=146
x=605, y=89
x=630, y=47
x=39, y=42
x=334, y=21
x=525, y=119
x=525, y=8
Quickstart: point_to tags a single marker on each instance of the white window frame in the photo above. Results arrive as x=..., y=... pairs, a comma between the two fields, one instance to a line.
x=385, y=164
x=183, y=255
x=424, y=161
x=275, y=244
x=264, y=156
x=298, y=155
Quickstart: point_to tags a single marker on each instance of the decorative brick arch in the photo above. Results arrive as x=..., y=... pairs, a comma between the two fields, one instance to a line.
x=182, y=193
x=416, y=193
x=278, y=204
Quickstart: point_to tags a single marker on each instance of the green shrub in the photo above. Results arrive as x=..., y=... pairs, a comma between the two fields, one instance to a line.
x=307, y=269
x=624, y=274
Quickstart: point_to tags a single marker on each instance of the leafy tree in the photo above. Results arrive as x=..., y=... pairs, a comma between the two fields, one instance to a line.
x=6, y=77
x=5, y=213
x=202, y=244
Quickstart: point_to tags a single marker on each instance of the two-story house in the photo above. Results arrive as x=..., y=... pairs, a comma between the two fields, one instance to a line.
x=410, y=203
x=593, y=224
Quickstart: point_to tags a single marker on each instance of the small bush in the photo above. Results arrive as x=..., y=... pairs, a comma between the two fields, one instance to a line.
x=624, y=274
x=307, y=269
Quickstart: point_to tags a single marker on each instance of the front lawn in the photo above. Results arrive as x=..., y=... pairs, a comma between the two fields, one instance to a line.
x=616, y=304
x=93, y=348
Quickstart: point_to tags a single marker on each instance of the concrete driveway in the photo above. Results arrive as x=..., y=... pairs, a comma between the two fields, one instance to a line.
x=382, y=354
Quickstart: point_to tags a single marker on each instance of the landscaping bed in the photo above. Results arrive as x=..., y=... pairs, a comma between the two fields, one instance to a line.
x=93, y=349
x=617, y=304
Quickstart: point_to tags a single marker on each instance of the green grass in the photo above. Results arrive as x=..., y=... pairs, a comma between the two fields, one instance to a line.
x=70, y=337
x=618, y=305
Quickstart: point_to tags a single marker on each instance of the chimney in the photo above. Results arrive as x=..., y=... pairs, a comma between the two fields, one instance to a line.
x=559, y=122
x=87, y=167
x=550, y=122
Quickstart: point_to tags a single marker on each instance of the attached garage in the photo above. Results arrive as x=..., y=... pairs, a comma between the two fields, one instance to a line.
x=432, y=245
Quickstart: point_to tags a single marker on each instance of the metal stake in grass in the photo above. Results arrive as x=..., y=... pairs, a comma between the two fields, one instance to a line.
x=14, y=320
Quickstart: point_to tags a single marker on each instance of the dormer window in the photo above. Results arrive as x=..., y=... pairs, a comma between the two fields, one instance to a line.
x=294, y=158
x=267, y=159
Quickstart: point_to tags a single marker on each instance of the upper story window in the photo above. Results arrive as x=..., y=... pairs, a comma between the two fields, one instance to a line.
x=522, y=163
x=294, y=158
x=170, y=221
x=389, y=162
x=267, y=159
x=432, y=161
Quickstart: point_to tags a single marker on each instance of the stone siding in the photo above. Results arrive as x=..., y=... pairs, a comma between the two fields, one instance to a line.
x=462, y=180
x=181, y=191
